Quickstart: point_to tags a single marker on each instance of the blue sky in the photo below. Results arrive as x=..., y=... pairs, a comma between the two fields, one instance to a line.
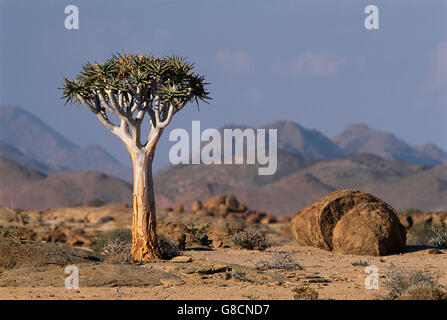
x=312, y=62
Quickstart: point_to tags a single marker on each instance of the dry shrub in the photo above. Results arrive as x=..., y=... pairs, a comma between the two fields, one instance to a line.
x=403, y=283
x=279, y=260
x=250, y=240
x=438, y=237
x=305, y=293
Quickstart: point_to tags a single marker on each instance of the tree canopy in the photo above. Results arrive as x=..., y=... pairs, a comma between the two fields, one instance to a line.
x=130, y=86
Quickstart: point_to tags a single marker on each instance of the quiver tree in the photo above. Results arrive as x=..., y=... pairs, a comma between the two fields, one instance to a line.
x=129, y=87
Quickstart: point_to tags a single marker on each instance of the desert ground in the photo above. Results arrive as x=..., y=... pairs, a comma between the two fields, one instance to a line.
x=36, y=246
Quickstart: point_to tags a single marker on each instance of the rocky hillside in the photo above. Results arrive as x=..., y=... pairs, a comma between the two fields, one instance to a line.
x=26, y=188
x=308, y=143
x=33, y=143
x=300, y=181
x=359, y=138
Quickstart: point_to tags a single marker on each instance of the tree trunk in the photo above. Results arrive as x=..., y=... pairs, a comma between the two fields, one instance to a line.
x=144, y=237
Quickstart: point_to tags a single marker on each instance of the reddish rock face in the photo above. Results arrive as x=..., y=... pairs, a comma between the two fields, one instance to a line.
x=350, y=222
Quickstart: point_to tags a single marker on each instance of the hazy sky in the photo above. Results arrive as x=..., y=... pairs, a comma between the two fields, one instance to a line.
x=312, y=62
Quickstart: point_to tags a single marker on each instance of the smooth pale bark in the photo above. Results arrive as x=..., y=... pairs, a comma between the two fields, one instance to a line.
x=144, y=236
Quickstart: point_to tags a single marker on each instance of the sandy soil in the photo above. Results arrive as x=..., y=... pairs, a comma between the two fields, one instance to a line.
x=36, y=269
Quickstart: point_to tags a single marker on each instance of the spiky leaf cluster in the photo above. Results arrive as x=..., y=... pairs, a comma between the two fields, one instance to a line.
x=170, y=77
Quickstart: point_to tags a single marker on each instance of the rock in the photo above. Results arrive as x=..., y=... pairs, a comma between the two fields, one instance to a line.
x=241, y=208
x=77, y=240
x=432, y=251
x=253, y=218
x=179, y=208
x=205, y=213
x=350, y=222
x=181, y=241
x=206, y=270
x=267, y=220
x=283, y=219
x=172, y=282
x=55, y=235
x=105, y=219
x=221, y=237
x=177, y=232
x=222, y=210
x=214, y=202
x=181, y=259
x=231, y=203
x=196, y=206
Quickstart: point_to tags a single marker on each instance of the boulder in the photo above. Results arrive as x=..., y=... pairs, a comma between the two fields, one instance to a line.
x=268, y=220
x=213, y=202
x=179, y=208
x=350, y=222
x=196, y=206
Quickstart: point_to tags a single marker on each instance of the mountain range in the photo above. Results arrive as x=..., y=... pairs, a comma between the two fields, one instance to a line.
x=26, y=139
x=39, y=168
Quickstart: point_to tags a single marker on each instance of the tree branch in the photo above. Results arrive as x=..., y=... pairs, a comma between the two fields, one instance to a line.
x=169, y=115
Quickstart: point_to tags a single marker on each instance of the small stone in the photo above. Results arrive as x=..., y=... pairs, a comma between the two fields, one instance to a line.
x=172, y=282
x=181, y=259
x=432, y=251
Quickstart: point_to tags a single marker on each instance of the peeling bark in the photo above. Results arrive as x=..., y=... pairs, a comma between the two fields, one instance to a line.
x=144, y=237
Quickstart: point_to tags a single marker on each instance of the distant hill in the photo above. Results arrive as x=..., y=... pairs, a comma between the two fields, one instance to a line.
x=26, y=188
x=7, y=151
x=359, y=138
x=357, y=170
x=301, y=181
x=49, y=151
x=187, y=183
x=43, y=167
x=425, y=190
x=308, y=143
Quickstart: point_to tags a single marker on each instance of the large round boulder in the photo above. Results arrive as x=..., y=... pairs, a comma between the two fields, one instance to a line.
x=350, y=222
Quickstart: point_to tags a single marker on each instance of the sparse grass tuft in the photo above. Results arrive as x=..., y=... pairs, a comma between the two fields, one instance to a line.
x=280, y=260
x=169, y=249
x=360, y=263
x=426, y=294
x=439, y=237
x=118, y=252
x=4, y=232
x=117, y=244
x=237, y=275
x=305, y=293
x=401, y=282
x=250, y=240
x=200, y=234
x=117, y=236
